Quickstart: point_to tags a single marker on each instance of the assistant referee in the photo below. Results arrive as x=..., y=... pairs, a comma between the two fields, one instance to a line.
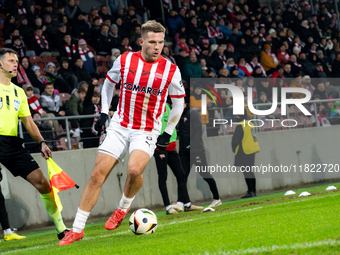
x=13, y=104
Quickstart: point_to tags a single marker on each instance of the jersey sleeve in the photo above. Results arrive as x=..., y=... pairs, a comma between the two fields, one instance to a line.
x=176, y=88
x=24, y=109
x=113, y=75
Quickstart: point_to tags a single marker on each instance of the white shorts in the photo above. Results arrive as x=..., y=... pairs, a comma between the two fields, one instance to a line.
x=119, y=138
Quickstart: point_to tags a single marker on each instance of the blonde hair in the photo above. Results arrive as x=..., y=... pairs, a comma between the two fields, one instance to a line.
x=152, y=26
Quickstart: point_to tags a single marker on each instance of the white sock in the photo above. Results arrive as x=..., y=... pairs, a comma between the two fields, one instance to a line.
x=80, y=220
x=181, y=204
x=8, y=231
x=188, y=204
x=168, y=207
x=124, y=203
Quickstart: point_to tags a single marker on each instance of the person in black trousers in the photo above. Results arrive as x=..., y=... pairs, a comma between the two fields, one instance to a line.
x=245, y=145
x=9, y=234
x=170, y=157
x=190, y=129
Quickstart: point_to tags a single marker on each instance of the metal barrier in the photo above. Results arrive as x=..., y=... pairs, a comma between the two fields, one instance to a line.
x=66, y=118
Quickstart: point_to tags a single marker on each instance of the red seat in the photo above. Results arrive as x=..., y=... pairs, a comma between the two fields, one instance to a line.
x=102, y=70
x=35, y=60
x=51, y=59
x=64, y=97
x=99, y=60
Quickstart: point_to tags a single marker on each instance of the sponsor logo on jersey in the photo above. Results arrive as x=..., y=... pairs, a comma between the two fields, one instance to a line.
x=159, y=76
x=149, y=138
x=142, y=89
x=16, y=105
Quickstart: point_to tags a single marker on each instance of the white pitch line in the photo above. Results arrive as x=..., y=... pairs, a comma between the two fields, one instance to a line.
x=278, y=247
x=184, y=221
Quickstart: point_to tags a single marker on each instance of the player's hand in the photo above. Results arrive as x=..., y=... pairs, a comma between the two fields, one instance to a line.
x=163, y=141
x=100, y=122
x=45, y=151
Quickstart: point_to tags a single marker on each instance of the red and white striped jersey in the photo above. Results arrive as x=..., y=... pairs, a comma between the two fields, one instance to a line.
x=144, y=88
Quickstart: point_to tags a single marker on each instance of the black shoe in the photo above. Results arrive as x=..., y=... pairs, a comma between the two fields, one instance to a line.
x=250, y=194
x=62, y=234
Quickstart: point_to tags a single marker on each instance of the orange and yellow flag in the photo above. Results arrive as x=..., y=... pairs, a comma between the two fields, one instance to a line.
x=59, y=181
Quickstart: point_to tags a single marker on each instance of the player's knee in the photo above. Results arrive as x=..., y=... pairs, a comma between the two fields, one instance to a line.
x=134, y=172
x=96, y=177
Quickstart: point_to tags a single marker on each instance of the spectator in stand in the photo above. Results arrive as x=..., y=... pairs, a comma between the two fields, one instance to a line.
x=282, y=55
x=287, y=73
x=307, y=67
x=51, y=72
x=125, y=44
x=51, y=28
x=18, y=46
x=263, y=86
x=135, y=33
x=83, y=28
x=250, y=83
x=32, y=100
x=33, y=80
x=194, y=47
x=245, y=67
x=67, y=80
x=255, y=46
x=254, y=63
x=182, y=45
x=173, y=21
x=296, y=67
x=168, y=54
x=278, y=73
x=74, y=106
x=51, y=103
x=320, y=91
x=115, y=53
x=215, y=32
x=103, y=42
x=268, y=59
x=242, y=48
x=193, y=29
x=335, y=114
x=230, y=52
x=69, y=50
x=91, y=105
x=59, y=36
x=205, y=53
x=42, y=78
x=306, y=80
x=336, y=66
x=226, y=31
x=219, y=58
x=132, y=17
x=121, y=28
x=80, y=72
x=231, y=64
x=319, y=72
x=87, y=56
x=94, y=15
x=297, y=83
x=181, y=59
x=280, y=83
x=19, y=9
x=104, y=13
x=321, y=58
x=192, y=69
x=41, y=45
x=115, y=37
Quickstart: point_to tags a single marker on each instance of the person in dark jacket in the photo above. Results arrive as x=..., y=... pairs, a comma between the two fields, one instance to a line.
x=70, y=80
x=192, y=151
x=91, y=106
x=81, y=73
x=244, y=144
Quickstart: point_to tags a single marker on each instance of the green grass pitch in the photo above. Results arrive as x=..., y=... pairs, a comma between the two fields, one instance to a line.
x=269, y=224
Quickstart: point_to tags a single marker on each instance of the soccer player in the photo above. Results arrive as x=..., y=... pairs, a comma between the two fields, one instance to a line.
x=13, y=104
x=146, y=79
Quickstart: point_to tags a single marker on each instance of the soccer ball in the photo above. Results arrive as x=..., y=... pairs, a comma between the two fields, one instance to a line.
x=143, y=221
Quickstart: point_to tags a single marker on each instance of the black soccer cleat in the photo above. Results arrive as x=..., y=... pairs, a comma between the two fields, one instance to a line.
x=62, y=234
